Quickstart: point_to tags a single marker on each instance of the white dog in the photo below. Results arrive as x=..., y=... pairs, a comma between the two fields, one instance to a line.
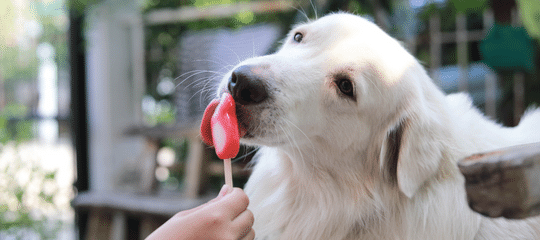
x=358, y=143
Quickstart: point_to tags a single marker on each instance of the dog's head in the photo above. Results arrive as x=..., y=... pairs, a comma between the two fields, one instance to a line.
x=342, y=82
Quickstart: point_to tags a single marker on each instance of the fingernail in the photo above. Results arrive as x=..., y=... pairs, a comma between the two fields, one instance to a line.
x=224, y=190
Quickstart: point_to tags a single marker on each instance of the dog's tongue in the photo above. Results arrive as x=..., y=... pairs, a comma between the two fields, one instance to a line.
x=219, y=127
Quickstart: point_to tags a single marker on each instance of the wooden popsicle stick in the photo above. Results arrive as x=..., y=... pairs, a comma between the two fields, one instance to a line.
x=227, y=169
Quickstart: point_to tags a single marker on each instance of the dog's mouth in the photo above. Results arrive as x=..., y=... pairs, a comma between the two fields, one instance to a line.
x=258, y=124
x=250, y=122
x=255, y=103
x=244, y=119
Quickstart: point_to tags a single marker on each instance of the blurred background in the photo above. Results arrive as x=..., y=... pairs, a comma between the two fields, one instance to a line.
x=100, y=100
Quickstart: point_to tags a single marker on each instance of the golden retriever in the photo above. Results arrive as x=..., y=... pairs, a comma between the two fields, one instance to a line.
x=357, y=142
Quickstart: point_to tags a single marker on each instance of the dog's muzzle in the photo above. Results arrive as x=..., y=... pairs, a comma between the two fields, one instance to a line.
x=246, y=86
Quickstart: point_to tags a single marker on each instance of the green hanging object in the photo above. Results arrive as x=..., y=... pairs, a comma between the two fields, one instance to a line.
x=508, y=48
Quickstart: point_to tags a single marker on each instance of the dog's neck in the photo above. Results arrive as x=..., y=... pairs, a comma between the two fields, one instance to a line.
x=333, y=183
x=346, y=192
x=348, y=171
x=318, y=180
x=320, y=160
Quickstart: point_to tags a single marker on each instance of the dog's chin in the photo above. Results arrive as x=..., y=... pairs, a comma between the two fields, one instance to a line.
x=257, y=141
x=262, y=142
x=259, y=133
x=257, y=125
x=263, y=132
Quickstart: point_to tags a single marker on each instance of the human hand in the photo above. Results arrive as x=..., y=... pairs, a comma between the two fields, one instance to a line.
x=224, y=217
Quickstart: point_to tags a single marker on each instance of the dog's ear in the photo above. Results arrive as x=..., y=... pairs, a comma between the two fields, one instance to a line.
x=411, y=151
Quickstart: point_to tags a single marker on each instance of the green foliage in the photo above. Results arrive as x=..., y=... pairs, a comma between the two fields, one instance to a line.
x=24, y=197
x=57, y=37
x=79, y=6
x=530, y=15
x=447, y=13
x=22, y=188
x=470, y=5
x=452, y=7
x=148, y=5
x=165, y=117
x=27, y=191
x=17, y=64
x=14, y=131
x=157, y=113
x=20, y=63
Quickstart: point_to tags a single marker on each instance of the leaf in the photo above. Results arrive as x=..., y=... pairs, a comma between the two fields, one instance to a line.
x=50, y=175
x=48, y=198
x=469, y=5
x=530, y=13
x=19, y=194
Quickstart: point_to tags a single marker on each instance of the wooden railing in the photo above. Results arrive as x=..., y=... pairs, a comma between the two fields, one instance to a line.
x=504, y=183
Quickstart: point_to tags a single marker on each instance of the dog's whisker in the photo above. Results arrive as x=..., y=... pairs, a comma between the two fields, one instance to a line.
x=202, y=81
x=302, y=12
x=293, y=142
x=245, y=155
x=294, y=125
x=231, y=50
x=209, y=93
x=314, y=9
x=206, y=90
x=223, y=70
x=193, y=73
x=214, y=74
x=195, y=94
x=208, y=81
x=298, y=149
x=199, y=82
x=197, y=71
x=220, y=62
x=226, y=67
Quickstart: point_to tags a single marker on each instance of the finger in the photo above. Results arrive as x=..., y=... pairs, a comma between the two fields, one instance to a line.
x=244, y=221
x=224, y=190
x=235, y=202
x=190, y=211
x=249, y=236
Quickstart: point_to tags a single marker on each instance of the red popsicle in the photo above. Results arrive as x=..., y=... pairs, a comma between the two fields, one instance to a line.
x=206, y=130
x=225, y=128
x=221, y=130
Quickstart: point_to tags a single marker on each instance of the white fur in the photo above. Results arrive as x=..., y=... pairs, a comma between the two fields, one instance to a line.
x=322, y=171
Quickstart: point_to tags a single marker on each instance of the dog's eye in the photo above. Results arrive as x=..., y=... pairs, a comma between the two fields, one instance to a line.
x=298, y=37
x=346, y=86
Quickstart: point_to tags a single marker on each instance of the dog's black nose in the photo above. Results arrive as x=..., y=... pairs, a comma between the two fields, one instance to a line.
x=246, y=86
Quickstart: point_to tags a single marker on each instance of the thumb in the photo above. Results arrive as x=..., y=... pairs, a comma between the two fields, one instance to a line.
x=224, y=191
